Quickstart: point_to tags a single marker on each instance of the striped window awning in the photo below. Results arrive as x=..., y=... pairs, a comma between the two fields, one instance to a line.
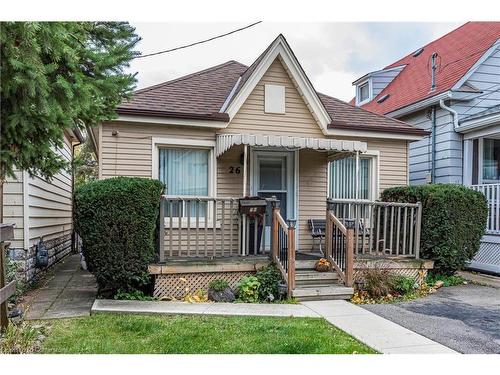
x=225, y=141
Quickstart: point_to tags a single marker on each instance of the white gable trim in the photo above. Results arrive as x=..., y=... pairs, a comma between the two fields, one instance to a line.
x=281, y=48
x=478, y=63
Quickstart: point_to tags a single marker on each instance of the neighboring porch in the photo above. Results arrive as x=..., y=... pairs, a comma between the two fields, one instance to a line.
x=482, y=173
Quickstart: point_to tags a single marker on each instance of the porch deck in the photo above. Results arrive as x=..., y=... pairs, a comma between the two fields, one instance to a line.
x=221, y=243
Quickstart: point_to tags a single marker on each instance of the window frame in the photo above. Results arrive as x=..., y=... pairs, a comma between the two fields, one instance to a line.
x=184, y=143
x=367, y=82
x=374, y=156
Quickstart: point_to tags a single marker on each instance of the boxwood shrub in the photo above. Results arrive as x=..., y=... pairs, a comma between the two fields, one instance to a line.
x=453, y=222
x=117, y=220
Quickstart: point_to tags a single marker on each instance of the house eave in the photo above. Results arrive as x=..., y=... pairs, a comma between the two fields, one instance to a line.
x=365, y=132
x=215, y=120
x=478, y=123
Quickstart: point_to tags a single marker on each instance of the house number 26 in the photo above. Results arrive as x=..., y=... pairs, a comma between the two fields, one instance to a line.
x=234, y=170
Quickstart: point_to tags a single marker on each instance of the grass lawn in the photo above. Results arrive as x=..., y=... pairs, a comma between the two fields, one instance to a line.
x=112, y=333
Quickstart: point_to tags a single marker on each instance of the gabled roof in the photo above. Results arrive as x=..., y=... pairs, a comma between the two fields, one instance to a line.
x=210, y=93
x=458, y=51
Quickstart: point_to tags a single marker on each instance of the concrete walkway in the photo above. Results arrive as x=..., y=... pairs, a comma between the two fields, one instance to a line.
x=69, y=292
x=373, y=330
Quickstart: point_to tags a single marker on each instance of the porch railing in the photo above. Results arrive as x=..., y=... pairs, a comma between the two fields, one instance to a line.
x=198, y=227
x=381, y=228
x=339, y=249
x=492, y=194
x=283, y=246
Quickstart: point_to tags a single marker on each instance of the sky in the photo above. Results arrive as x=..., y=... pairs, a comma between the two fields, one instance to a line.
x=333, y=54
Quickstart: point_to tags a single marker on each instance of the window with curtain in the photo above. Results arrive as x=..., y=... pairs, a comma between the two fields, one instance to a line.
x=184, y=173
x=491, y=160
x=343, y=178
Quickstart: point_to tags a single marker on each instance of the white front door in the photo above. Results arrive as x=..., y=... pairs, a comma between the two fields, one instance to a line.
x=274, y=175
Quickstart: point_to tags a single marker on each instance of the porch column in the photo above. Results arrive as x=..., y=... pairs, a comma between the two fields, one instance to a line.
x=467, y=162
x=244, y=218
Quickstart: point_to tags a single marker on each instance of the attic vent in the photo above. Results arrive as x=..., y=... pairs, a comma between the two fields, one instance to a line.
x=418, y=52
x=383, y=98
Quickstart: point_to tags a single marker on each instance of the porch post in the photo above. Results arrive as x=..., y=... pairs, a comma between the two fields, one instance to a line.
x=274, y=229
x=244, y=218
x=467, y=162
x=349, y=256
x=291, y=257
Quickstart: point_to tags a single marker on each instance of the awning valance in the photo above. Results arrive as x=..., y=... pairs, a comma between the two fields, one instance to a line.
x=226, y=141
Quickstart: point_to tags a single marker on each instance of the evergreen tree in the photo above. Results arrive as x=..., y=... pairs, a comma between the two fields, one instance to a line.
x=56, y=76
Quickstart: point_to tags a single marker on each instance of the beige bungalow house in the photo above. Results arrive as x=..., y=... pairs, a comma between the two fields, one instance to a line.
x=232, y=131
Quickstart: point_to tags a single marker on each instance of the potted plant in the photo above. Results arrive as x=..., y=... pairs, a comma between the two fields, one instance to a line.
x=322, y=265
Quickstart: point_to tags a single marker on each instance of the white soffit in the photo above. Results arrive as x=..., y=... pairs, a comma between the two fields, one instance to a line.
x=225, y=141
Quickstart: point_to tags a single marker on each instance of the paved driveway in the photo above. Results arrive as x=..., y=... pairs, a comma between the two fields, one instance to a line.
x=465, y=318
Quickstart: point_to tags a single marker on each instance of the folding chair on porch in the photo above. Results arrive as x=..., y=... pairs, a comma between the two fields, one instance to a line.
x=318, y=228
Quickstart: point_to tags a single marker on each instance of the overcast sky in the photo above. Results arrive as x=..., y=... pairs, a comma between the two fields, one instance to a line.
x=332, y=54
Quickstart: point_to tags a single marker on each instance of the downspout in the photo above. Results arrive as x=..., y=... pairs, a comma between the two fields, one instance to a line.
x=452, y=111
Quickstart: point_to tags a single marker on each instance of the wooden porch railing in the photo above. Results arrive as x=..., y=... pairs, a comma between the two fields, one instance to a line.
x=381, y=228
x=492, y=194
x=199, y=227
x=339, y=246
x=283, y=246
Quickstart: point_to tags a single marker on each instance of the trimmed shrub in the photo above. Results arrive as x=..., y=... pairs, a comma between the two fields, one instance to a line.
x=117, y=220
x=453, y=222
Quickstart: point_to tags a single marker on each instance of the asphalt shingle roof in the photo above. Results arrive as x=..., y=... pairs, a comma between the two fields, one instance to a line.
x=457, y=52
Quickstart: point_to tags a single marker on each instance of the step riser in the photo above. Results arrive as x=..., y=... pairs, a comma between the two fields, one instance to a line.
x=305, y=264
x=318, y=277
x=316, y=283
x=325, y=298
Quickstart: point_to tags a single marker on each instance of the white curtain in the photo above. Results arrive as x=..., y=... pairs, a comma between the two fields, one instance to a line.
x=184, y=172
x=343, y=178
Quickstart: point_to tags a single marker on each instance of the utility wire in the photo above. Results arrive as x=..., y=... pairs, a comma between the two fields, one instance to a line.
x=199, y=42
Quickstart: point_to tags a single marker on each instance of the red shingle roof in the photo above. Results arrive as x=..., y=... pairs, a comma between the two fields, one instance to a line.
x=458, y=51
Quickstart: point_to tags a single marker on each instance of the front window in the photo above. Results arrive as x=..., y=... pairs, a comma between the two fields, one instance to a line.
x=491, y=160
x=343, y=184
x=363, y=92
x=185, y=172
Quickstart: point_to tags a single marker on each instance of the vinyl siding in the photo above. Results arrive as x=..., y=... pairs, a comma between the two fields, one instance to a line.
x=312, y=193
x=487, y=79
x=448, y=149
x=50, y=203
x=129, y=152
x=382, y=79
x=13, y=207
x=297, y=120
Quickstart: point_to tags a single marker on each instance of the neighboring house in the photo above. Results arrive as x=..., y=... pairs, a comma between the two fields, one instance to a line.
x=42, y=212
x=450, y=87
x=231, y=131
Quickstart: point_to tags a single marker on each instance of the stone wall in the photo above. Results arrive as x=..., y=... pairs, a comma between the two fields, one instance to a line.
x=27, y=271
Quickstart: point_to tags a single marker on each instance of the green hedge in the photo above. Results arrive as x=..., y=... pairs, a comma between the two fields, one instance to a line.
x=117, y=219
x=453, y=222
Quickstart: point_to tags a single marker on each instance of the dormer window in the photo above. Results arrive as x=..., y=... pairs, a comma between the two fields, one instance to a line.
x=363, y=93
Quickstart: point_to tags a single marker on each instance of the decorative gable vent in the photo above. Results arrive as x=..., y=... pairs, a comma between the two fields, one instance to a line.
x=274, y=99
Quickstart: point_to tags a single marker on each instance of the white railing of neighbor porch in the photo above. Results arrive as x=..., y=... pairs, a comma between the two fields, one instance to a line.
x=492, y=194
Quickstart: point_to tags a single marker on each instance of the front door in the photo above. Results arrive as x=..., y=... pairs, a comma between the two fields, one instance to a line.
x=273, y=175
